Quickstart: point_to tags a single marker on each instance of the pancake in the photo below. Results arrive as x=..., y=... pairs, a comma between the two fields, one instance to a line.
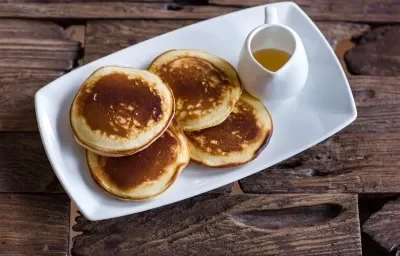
x=236, y=141
x=205, y=87
x=119, y=111
x=145, y=174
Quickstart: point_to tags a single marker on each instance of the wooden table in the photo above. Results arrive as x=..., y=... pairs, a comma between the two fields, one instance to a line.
x=337, y=198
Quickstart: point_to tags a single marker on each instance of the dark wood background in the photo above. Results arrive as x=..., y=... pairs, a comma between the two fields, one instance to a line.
x=337, y=198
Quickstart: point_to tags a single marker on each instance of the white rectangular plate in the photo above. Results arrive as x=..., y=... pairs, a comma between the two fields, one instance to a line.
x=323, y=107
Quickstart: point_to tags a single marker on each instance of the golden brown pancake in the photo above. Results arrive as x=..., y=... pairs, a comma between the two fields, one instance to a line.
x=120, y=111
x=238, y=140
x=205, y=87
x=145, y=174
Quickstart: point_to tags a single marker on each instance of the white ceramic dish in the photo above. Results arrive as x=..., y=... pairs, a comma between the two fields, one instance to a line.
x=322, y=108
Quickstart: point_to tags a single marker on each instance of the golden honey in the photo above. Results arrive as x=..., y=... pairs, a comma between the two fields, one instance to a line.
x=272, y=59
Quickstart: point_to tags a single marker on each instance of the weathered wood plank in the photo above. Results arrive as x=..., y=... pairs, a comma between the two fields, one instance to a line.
x=339, y=31
x=358, y=11
x=378, y=104
x=377, y=53
x=384, y=225
x=369, y=204
x=105, y=37
x=24, y=166
x=33, y=62
x=24, y=28
x=32, y=54
x=362, y=158
x=36, y=45
x=34, y=224
x=377, y=100
x=111, y=10
x=17, y=90
x=230, y=225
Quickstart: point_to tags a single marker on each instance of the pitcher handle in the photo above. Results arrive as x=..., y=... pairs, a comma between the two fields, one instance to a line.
x=271, y=15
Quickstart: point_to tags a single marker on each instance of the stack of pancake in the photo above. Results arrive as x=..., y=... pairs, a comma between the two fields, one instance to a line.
x=123, y=116
x=141, y=128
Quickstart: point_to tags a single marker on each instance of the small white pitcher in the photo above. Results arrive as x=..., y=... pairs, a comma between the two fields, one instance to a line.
x=288, y=80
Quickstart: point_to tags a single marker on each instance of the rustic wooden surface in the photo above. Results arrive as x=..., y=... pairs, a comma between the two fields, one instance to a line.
x=32, y=54
x=36, y=45
x=230, y=225
x=33, y=224
x=39, y=45
x=17, y=89
x=365, y=11
x=384, y=227
x=368, y=204
x=105, y=37
x=39, y=42
x=377, y=53
x=339, y=31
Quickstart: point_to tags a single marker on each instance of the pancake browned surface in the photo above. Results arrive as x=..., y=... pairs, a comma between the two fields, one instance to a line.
x=238, y=140
x=205, y=87
x=120, y=111
x=146, y=173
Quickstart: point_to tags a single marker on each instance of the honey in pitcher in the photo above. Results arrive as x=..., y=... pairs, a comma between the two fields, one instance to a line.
x=271, y=59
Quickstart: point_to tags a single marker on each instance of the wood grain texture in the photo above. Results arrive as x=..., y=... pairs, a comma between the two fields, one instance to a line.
x=337, y=10
x=230, y=225
x=36, y=45
x=106, y=36
x=384, y=225
x=32, y=54
x=377, y=53
x=369, y=204
x=339, y=31
x=361, y=159
x=34, y=224
x=365, y=11
x=378, y=104
x=112, y=10
x=17, y=91
x=24, y=166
